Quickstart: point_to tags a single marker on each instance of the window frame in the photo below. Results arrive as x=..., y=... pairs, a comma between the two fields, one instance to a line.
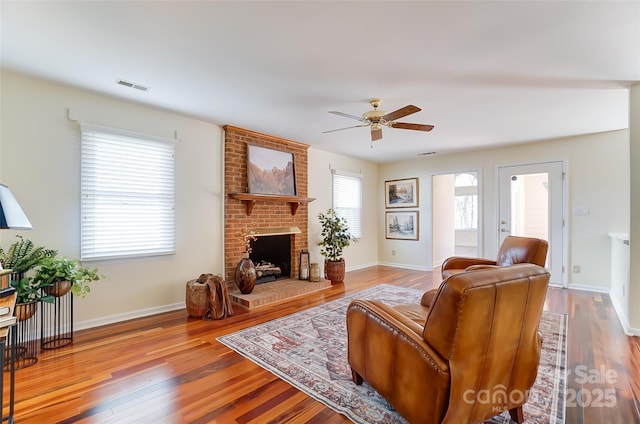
x=355, y=228
x=130, y=173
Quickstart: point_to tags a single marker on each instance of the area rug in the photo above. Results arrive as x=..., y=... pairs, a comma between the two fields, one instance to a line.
x=308, y=349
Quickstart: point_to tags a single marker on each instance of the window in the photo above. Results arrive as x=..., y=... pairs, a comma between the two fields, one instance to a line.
x=127, y=194
x=466, y=198
x=347, y=199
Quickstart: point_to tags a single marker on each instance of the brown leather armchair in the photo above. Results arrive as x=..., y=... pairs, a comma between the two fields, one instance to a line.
x=437, y=363
x=514, y=250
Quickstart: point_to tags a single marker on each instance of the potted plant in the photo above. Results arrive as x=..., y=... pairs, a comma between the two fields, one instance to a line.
x=28, y=294
x=59, y=275
x=335, y=237
x=23, y=255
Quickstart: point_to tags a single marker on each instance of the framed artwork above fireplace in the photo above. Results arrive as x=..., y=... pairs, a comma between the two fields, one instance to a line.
x=270, y=171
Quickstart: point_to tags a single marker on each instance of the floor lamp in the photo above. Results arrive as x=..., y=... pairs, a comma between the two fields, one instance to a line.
x=11, y=217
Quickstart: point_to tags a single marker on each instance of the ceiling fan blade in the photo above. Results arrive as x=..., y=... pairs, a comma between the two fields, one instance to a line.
x=407, y=110
x=376, y=134
x=407, y=126
x=346, y=115
x=345, y=128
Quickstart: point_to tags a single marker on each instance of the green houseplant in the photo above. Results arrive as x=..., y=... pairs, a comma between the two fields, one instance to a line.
x=28, y=294
x=335, y=237
x=23, y=255
x=59, y=275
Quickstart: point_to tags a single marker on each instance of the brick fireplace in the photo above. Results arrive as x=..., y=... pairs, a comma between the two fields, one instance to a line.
x=243, y=211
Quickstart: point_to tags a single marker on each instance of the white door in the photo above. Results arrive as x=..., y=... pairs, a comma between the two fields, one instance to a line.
x=531, y=199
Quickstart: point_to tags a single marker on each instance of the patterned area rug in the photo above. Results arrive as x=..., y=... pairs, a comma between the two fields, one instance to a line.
x=308, y=349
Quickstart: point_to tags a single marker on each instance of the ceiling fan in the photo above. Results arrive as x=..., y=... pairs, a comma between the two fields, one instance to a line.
x=376, y=119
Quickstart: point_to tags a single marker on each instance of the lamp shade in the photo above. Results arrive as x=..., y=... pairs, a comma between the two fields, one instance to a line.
x=11, y=214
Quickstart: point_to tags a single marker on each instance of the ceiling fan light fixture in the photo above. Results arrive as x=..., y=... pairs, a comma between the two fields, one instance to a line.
x=373, y=115
x=376, y=119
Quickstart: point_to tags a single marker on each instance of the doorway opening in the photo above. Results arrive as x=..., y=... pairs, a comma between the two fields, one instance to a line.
x=455, y=219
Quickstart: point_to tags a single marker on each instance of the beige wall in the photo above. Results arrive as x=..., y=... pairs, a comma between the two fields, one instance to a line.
x=363, y=253
x=39, y=157
x=598, y=179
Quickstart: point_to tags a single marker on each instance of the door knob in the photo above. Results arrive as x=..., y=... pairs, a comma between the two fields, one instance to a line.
x=504, y=230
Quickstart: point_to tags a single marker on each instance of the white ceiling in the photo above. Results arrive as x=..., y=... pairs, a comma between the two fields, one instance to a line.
x=484, y=73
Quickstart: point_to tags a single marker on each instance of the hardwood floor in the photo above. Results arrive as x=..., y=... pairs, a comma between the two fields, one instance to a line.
x=169, y=368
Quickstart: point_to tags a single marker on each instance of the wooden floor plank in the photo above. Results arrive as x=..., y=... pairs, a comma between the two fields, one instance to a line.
x=169, y=368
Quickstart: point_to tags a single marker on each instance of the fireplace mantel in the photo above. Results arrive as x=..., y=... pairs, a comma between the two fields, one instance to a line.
x=250, y=199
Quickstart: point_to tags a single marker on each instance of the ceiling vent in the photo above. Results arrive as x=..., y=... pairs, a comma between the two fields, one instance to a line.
x=132, y=85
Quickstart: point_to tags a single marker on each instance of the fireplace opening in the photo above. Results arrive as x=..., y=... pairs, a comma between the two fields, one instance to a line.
x=272, y=257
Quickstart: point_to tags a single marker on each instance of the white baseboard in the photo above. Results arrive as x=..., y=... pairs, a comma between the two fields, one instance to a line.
x=594, y=289
x=624, y=320
x=358, y=267
x=407, y=266
x=111, y=319
x=633, y=331
x=617, y=307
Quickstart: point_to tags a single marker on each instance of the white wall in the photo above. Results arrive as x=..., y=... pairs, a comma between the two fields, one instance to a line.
x=634, y=276
x=598, y=179
x=39, y=161
x=444, y=234
x=363, y=253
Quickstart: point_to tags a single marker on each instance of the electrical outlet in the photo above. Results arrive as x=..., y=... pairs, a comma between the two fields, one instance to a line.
x=393, y=253
x=582, y=211
x=576, y=269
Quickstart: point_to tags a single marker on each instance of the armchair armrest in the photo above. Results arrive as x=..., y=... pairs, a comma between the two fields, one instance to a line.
x=480, y=267
x=427, y=297
x=459, y=262
x=387, y=350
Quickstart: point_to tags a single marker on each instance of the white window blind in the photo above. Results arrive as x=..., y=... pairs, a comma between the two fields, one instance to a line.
x=127, y=194
x=347, y=199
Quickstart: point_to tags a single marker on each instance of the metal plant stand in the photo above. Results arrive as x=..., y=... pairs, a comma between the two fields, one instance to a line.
x=25, y=341
x=56, y=322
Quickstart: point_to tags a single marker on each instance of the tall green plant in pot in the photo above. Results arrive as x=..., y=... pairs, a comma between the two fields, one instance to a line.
x=335, y=237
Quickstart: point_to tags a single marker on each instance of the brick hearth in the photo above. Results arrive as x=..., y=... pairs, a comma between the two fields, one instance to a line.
x=265, y=213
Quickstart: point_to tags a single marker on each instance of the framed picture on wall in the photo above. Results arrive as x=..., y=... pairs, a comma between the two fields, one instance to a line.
x=270, y=171
x=401, y=225
x=401, y=193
